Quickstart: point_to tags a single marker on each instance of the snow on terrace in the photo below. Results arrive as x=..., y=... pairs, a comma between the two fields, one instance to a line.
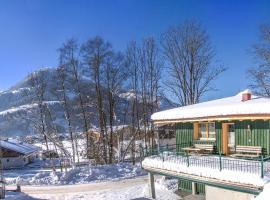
x=221, y=107
x=233, y=170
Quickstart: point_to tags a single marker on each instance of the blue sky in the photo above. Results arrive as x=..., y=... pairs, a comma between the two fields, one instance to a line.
x=32, y=30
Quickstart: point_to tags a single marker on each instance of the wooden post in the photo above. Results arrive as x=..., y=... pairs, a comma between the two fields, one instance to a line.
x=195, y=130
x=194, y=188
x=152, y=185
x=225, y=138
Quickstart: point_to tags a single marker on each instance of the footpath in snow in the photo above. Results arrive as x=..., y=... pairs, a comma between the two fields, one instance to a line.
x=136, y=188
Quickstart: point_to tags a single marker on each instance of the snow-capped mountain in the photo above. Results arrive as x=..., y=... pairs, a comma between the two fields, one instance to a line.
x=18, y=107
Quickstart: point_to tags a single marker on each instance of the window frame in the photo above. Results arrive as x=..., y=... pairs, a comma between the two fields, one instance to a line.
x=207, y=130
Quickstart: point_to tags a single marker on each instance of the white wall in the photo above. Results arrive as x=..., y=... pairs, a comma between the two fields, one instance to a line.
x=14, y=162
x=214, y=193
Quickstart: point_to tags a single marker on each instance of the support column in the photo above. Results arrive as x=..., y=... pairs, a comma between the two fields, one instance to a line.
x=194, y=188
x=151, y=185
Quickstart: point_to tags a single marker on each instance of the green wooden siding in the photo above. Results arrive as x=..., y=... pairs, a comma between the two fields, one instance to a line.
x=257, y=135
x=186, y=185
x=219, y=146
x=184, y=135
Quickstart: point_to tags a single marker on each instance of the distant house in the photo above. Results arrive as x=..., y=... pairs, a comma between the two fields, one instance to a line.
x=15, y=154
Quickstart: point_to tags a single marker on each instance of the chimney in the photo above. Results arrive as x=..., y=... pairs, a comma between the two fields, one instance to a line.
x=246, y=95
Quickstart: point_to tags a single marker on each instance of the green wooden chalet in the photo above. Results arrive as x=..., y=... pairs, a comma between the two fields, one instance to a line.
x=229, y=135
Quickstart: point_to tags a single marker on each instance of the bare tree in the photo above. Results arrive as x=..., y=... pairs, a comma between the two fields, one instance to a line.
x=132, y=62
x=150, y=77
x=61, y=93
x=95, y=52
x=190, y=56
x=38, y=84
x=69, y=55
x=45, y=121
x=114, y=76
x=144, y=66
x=261, y=74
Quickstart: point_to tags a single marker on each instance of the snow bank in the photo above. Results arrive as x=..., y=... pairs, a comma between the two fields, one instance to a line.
x=265, y=194
x=79, y=175
x=176, y=165
x=18, y=196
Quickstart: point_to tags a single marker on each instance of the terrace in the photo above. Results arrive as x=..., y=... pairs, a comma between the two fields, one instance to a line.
x=173, y=161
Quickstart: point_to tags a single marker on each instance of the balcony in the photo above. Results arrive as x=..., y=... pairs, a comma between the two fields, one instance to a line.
x=171, y=160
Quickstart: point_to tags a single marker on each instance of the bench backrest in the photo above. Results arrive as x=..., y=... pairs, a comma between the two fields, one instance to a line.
x=249, y=149
x=209, y=147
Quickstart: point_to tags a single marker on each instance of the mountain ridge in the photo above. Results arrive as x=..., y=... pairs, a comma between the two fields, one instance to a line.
x=18, y=105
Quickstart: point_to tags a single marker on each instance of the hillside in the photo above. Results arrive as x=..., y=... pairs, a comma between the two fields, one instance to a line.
x=18, y=105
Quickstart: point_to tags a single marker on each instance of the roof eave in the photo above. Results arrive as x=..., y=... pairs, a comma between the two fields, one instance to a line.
x=215, y=118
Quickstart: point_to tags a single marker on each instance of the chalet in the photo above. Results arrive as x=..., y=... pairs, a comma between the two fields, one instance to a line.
x=15, y=154
x=218, y=148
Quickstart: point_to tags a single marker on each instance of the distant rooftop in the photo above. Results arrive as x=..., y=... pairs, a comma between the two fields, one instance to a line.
x=21, y=147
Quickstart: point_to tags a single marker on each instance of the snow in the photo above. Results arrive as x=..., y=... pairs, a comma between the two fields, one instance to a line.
x=232, y=174
x=220, y=107
x=123, y=181
x=25, y=107
x=19, y=108
x=128, y=95
x=17, y=146
x=135, y=192
x=265, y=194
x=78, y=175
x=122, y=191
x=18, y=196
x=67, y=144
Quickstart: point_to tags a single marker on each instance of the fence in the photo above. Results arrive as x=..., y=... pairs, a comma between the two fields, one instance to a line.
x=174, y=153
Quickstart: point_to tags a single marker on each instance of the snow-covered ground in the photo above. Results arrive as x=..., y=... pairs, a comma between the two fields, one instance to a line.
x=123, y=190
x=18, y=196
x=78, y=175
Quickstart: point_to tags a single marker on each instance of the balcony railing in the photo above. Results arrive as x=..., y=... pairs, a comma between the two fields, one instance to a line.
x=174, y=154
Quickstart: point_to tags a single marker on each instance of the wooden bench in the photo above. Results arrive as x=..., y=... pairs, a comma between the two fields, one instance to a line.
x=191, y=150
x=247, y=151
x=205, y=147
x=200, y=148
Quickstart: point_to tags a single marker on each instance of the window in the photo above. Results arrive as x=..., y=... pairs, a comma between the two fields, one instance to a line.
x=207, y=131
x=203, y=131
x=231, y=136
x=212, y=130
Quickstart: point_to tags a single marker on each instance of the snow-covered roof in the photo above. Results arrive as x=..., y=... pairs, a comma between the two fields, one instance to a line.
x=20, y=147
x=229, y=106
